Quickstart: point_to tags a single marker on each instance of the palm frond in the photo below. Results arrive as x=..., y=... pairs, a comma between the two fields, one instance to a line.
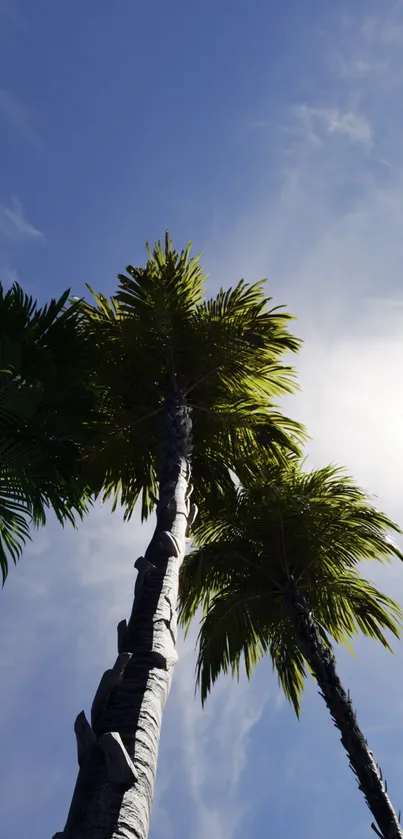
x=49, y=414
x=14, y=530
x=228, y=635
x=351, y=604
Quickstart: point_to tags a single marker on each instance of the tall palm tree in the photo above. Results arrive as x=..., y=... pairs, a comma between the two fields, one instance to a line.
x=48, y=413
x=275, y=572
x=188, y=387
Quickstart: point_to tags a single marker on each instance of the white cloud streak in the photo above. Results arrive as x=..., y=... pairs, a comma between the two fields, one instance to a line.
x=317, y=121
x=8, y=276
x=15, y=224
x=354, y=126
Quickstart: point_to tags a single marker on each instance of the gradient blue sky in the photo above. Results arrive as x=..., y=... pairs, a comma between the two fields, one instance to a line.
x=270, y=135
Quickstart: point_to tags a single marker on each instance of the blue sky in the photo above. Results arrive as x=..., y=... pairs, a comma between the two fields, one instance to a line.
x=270, y=135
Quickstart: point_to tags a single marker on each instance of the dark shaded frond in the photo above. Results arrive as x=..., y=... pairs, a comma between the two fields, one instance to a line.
x=228, y=635
x=14, y=530
x=49, y=413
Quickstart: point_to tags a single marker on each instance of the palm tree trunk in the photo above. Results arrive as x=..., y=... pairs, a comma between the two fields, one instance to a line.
x=118, y=753
x=323, y=665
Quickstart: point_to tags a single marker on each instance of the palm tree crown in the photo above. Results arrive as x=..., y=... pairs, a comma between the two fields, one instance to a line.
x=158, y=337
x=314, y=528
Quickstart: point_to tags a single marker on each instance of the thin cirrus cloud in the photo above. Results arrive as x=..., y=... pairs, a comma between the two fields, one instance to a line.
x=315, y=122
x=15, y=224
x=9, y=276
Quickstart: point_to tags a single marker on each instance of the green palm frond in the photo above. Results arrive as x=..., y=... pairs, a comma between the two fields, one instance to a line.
x=14, y=530
x=229, y=634
x=288, y=661
x=317, y=527
x=355, y=606
x=49, y=414
x=158, y=336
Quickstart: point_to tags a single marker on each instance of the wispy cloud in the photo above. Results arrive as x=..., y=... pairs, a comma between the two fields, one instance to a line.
x=354, y=126
x=367, y=51
x=14, y=222
x=8, y=276
x=305, y=126
x=317, y=121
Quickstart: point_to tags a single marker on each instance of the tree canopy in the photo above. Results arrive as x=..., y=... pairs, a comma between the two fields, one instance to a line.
x=158, y=336
x=316, y=527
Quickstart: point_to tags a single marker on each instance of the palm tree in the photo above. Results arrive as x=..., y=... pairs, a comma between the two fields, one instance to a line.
x=188, y=387
x=48, y=413
x=275, y=572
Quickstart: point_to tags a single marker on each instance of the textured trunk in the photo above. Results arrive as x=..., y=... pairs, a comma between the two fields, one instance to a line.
x=118, y=753
x=323, y=665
